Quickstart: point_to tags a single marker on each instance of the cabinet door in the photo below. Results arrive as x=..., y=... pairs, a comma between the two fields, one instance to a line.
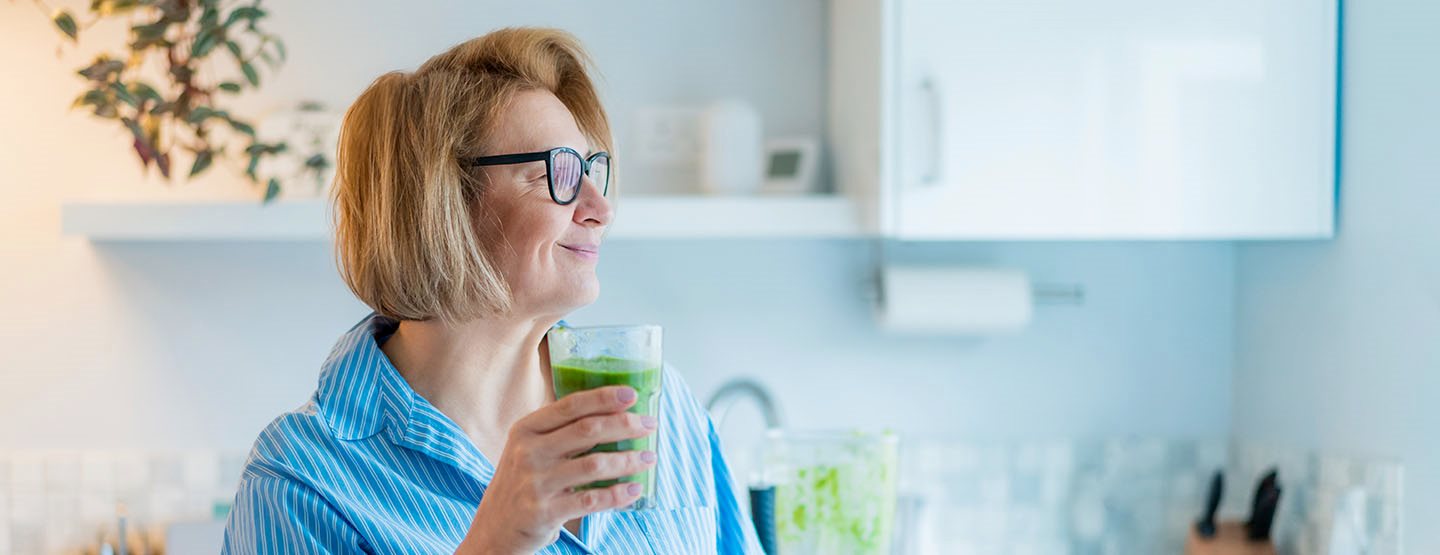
x=1114, y=119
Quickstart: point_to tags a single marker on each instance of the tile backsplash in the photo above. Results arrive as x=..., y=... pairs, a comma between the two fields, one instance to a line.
x=1100, y=497
x=1074, y=497
x=1313, y=485
x=1125, y=496
x=54, y=501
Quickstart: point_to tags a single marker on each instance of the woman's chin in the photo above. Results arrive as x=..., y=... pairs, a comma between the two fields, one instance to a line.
x=589, y=294
x=581, y=295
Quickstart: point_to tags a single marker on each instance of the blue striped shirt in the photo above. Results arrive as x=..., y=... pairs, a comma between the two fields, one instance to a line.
x=368, y=465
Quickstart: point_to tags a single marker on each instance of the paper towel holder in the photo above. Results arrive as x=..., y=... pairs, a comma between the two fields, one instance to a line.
x=1072, y=294
x=1058, y=293
x=962, y=299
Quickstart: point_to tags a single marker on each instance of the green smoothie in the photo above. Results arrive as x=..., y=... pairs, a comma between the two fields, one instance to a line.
x=579, y=374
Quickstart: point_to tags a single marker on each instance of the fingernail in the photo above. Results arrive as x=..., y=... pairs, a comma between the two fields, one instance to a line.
x=649, y=422
x=625, y=395
x=633, y=489
x=647, y=457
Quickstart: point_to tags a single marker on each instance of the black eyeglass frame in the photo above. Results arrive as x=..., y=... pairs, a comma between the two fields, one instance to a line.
x=549, y=157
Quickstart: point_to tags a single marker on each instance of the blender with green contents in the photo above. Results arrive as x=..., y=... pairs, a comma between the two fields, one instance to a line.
x=584, y=358
x=834, y=492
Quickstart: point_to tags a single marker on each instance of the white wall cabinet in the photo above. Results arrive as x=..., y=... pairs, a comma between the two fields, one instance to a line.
x=1104, y=119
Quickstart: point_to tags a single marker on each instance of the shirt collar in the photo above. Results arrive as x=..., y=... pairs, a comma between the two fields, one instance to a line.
x=360, y=391
x=361, y=394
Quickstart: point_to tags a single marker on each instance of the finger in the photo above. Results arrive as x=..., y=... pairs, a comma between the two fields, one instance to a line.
x=581, y=503
x=600, y=466
x=583, y=434
x=572, y=407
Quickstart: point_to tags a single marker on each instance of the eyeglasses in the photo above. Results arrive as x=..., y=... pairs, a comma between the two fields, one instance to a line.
x=563, y=169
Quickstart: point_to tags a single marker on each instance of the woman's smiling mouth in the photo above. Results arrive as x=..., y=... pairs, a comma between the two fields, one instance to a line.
x=588, y=252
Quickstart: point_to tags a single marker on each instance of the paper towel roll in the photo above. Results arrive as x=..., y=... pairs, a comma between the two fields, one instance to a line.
x=954, y=300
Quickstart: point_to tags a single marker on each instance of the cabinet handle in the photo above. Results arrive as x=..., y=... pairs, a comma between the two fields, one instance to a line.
x=932, y=171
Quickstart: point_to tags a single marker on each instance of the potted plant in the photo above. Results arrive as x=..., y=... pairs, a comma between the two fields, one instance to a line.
x=181, y=110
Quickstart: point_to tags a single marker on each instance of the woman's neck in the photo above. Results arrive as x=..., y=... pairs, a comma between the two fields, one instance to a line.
x=483, y=374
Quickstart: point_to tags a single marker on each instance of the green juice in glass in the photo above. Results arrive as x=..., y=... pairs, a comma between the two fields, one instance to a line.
x=588, y=358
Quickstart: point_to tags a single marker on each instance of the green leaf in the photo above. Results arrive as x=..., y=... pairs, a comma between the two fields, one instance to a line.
x=199, y=114
x=234, y=48
x=279, y=48
x=229, y=86
x=101, y=69
x=124, y=95
x=92, y=97
x=66, y=23
x=244, y=12
x=134, y=128
x=102, y=101
x=250, y=74
x=106, y=8
x=205, y=41
x=162, y=108
x=242, y=127
x=254, y=163
x=150, y=32
x=317, y=162
x=272, y=189
x=202, y=161
x=257, y=149
x=145, y=91
x=173, y=11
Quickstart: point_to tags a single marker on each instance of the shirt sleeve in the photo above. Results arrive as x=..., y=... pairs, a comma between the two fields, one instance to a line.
x=274, y=515
x=735, y=530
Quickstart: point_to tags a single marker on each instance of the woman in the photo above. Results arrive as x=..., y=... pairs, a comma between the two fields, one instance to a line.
x=470, y=203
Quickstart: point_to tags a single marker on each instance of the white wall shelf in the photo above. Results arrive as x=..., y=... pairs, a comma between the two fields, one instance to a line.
x=641, y=217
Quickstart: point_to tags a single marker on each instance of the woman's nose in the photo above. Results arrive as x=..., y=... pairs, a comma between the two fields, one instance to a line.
x=592, y=207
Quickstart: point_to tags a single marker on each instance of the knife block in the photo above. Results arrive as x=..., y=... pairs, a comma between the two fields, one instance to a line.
x=1229, y=540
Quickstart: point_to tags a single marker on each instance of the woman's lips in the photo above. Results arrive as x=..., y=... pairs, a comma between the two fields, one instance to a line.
x=588, y=252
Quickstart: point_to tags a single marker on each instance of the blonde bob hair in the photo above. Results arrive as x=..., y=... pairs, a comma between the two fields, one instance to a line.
x=412, y=236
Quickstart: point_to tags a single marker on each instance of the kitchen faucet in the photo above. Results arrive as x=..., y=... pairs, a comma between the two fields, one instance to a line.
x=725, y=398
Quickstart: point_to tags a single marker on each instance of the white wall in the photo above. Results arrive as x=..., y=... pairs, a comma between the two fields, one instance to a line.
x=177, y=345
x=1147, y=355
x=1338, y=344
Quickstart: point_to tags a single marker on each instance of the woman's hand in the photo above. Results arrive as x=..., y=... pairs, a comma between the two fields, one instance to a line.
x=531, y=495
